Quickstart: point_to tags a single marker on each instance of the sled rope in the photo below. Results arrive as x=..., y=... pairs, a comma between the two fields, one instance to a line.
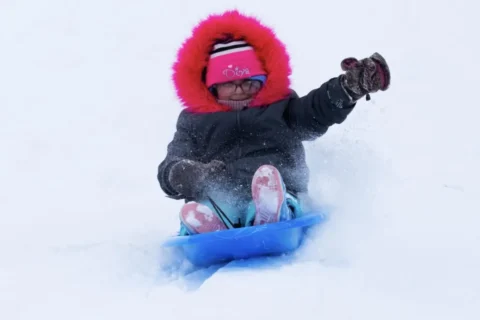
x=220, y=213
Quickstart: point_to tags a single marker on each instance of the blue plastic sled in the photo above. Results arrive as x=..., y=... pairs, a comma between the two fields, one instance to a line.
x=269, y=239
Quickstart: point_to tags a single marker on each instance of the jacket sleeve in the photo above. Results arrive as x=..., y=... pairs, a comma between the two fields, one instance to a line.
x=311, y=116
x=181, y=147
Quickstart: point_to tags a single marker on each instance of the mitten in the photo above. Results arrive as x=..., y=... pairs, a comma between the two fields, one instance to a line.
x=189, y=177
x=365, y=76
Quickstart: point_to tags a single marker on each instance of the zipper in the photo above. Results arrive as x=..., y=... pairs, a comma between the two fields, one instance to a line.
x=239, y=144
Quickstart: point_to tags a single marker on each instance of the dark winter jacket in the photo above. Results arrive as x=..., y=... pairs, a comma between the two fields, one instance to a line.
x=247, y=139
x=270, y=131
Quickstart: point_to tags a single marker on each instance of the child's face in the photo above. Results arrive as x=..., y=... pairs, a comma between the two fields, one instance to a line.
x=238, y=89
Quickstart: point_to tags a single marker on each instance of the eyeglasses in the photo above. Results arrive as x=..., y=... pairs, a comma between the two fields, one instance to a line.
x=248, y=86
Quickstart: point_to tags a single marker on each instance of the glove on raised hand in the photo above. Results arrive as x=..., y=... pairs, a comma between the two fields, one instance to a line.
x=365, y=76
x=189, y=177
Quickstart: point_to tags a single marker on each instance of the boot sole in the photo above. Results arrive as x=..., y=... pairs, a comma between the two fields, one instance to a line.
x=199, y=218
x=268, y=194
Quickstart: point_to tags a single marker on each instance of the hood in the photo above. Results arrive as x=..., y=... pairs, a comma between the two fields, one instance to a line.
x=192, y=59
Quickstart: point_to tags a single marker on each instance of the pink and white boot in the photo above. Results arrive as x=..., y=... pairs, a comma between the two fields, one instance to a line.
x=198, y=218
x=269, y=196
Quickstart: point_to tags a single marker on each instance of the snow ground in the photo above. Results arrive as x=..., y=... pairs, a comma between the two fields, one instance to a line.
x=87, y=109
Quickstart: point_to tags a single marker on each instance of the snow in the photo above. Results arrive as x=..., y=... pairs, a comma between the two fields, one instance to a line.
x=206, y=211
x=192, y=220
x=191, y=217
x=87, y=109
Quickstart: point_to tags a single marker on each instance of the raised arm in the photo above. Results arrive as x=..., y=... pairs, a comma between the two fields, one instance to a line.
x=313, y=114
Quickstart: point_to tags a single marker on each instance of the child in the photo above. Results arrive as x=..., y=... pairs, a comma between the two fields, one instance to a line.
x=237, y=157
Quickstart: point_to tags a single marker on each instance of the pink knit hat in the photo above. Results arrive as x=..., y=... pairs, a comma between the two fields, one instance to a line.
x=232, y=61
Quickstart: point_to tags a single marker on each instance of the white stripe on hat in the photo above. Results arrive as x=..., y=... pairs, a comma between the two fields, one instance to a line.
x=228, y=44
x=221, y=53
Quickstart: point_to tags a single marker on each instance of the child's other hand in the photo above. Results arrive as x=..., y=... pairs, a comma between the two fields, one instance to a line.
x=188, y=177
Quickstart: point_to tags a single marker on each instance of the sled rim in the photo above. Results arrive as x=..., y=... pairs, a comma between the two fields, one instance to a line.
x=308, y=220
